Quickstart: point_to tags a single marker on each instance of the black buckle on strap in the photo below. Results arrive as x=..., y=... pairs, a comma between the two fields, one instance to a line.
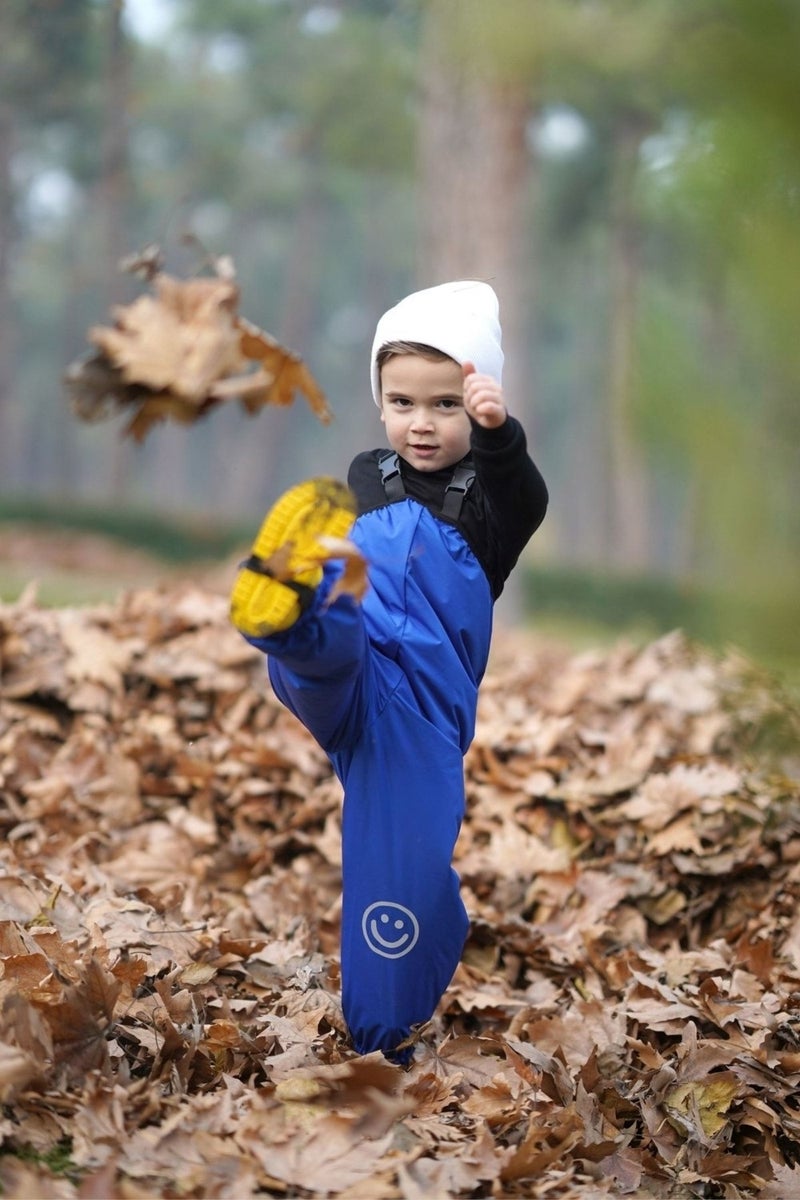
x=456, y=490
x=392, y=480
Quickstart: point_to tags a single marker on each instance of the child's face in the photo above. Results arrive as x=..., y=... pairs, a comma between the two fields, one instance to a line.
x=423, y=411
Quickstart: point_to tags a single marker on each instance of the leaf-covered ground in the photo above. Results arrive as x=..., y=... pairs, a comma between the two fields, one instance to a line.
x=626, y=1019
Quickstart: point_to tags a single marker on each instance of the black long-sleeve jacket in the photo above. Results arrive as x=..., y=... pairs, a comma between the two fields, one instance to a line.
x=502, y=510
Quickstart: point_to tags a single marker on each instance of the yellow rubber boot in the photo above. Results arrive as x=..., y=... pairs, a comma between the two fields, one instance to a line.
x=276, y=582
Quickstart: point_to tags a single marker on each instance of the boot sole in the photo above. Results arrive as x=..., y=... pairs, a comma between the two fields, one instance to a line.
x=261, y=604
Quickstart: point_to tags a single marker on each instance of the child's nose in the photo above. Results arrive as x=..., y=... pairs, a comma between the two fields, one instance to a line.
x=422, y=419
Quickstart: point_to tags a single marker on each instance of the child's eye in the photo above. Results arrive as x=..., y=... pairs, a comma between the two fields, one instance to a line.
x=449, y=402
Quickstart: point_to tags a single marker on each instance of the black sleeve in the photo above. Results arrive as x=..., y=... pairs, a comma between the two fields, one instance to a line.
x=512, y=484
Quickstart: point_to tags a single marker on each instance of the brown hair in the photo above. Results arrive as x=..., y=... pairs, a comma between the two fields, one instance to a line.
x=396, y=349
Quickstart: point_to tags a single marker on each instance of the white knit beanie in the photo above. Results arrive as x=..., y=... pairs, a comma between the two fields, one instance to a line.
x=460, y=319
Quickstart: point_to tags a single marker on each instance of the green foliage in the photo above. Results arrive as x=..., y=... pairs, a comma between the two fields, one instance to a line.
x=44, y=52
x=735, y=182
x=766, y=713
x=763, y=626
x=316, y=81
x=167, y=538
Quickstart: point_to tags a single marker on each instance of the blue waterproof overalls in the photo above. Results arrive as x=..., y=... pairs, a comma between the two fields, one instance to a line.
x=389, y=690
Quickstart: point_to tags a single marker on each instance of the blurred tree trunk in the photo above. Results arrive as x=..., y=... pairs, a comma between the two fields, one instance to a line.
x=113, y=191
x=475, y=173
x=45, y=47
x=299, y=300
x=7, y=222
x=629, y=533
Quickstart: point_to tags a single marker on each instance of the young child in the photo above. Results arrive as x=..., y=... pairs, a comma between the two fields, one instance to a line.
x=389, y=687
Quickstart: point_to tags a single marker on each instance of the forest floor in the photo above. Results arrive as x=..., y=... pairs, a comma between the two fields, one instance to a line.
x=73, y=567
x=626, y=1017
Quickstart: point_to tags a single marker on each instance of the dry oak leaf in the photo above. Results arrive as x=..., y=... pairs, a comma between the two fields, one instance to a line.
x=182, y=339
x=17, y=1069
x=699, y=1108
x=179, y=351
x=324, y=1156
x=462, y=1169
x=287, y=372
x=353, y=580
x=95, y=654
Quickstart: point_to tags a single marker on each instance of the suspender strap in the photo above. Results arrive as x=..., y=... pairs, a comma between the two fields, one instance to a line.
x=391, y=478
x=456, y=490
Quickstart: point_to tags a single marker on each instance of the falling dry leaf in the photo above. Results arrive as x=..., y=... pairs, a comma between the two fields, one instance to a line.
x=178, y=351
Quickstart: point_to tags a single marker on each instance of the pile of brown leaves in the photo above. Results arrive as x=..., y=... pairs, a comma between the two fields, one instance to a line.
x=181, y=349
x=626, y=1019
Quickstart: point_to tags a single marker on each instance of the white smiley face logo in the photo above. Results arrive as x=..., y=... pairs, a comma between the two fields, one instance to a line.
x=390, y=929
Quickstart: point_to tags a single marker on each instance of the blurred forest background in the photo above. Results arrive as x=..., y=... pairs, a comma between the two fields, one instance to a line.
x=626, y=173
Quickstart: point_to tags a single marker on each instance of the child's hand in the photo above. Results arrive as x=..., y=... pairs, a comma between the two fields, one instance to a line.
x=483, y=398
